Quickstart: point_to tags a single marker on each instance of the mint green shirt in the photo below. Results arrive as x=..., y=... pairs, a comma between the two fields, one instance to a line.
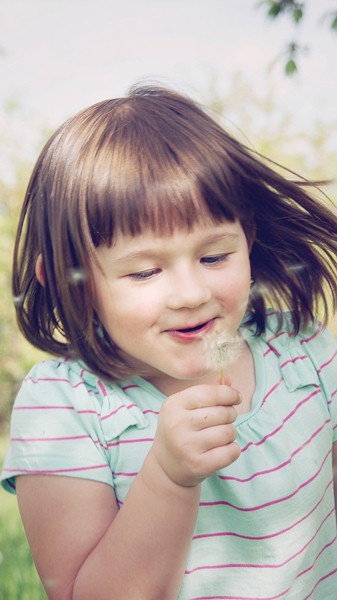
x=266, y=527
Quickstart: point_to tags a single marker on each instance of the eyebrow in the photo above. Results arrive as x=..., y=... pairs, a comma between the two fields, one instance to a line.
x=152, y=253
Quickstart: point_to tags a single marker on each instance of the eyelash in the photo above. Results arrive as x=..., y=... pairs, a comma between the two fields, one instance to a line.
x=144, y=274
x=214, y=260
x=208, y=260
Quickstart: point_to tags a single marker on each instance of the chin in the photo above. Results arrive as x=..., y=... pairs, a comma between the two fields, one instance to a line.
x=195, y=374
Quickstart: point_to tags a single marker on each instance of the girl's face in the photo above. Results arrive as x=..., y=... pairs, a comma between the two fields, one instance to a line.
x=161, y=297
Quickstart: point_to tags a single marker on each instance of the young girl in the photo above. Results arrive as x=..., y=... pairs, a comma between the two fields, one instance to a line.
x=181, y=444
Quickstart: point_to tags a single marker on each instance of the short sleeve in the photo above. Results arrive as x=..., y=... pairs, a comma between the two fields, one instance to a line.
x=58, y=424
x=321, y=346
x=309, y=358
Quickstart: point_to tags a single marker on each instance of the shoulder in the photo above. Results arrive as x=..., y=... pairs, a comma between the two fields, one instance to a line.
x=311, y=353
x=314, y=339
x=64, y=421
x=62, y=386
x=303, y=358
x=279, y=333
x=58, y=382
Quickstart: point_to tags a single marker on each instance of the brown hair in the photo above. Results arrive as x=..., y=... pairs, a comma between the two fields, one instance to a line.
x=154, y=159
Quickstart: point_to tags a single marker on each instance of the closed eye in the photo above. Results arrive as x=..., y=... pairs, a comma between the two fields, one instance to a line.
x=214, y=259
x=141, y=275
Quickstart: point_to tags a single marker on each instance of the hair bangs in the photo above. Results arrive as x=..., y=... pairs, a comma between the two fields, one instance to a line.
x=141, y=180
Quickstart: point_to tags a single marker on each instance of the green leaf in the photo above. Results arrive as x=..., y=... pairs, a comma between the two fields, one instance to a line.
x=334, y=23
x=297, y=14
x=291, y=67
x=274, y=10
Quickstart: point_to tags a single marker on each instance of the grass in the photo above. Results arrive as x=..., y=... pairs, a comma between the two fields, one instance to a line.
x=18, y=577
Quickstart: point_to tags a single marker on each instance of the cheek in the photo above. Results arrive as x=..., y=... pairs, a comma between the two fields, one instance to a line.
x=122, y=312
x=235, y=290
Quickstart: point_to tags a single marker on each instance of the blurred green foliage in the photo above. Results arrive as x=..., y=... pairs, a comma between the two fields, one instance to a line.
x=18, y=577
x=296, y=11
x=16, y=356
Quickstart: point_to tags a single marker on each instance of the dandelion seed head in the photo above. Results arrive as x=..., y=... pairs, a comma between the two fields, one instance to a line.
x=222, y=349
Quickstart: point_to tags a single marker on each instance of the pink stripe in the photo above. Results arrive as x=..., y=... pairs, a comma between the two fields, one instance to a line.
x=280, y=466
x=327, y=362
x=50, y=407
x=264, y=537
x=58, y=379
x=51, y=439
x=273, y=349
x=154, y=412
x=51, y=471
x=61, y=439
x=289, y=416
x=317, y=557
x=259, y=566
x=121, y=474
x=275, y=337
x=293, y=360
x=267, y=504
x=130, y=442
x=242, y=597
x=129, y=387
x=102, y=388
x=320, y=581
x=318, y=330
x=271, y=390
x=117, y=410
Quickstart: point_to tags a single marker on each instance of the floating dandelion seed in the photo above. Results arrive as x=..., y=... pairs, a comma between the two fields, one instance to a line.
x=18, y=300
x=297, y=267
x=76, y=275
x=222, y=350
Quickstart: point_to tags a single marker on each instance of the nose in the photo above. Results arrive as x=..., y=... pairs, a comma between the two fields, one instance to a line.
x=187, y=289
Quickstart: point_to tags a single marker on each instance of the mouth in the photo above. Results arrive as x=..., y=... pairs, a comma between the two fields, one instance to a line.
x=195, y=328
x=193, y=332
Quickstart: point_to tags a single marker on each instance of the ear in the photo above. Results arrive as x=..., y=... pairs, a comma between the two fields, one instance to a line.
x=39, y=270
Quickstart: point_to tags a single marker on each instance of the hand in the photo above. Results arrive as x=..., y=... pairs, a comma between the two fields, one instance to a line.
x=195, y=436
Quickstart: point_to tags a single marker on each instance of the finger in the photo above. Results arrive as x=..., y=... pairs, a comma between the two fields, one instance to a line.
x=216, y=437
x=219, y=458
x=202, y=418
x=202, y=396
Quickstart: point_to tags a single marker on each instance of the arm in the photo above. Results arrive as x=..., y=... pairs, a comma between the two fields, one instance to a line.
x=84, y=547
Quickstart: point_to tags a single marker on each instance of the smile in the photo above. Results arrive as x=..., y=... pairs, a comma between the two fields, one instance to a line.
x=195, y=328
x=193, y=332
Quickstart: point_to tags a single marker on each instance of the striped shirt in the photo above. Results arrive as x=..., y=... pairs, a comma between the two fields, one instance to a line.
x=266, y=526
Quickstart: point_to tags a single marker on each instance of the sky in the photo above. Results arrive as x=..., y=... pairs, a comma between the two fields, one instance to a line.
x=59, y=56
